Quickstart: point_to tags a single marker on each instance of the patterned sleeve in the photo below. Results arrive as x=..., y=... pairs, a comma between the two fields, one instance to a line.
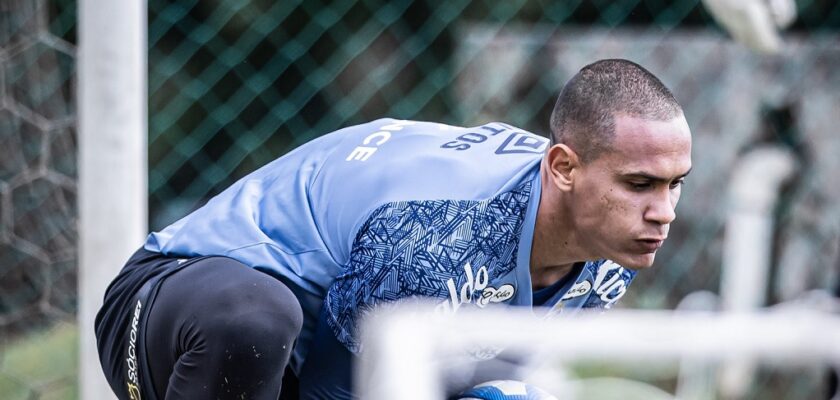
x=423, y=248
x=392, y=258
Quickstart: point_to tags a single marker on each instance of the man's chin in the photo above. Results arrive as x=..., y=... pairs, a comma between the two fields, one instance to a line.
x=637, y=261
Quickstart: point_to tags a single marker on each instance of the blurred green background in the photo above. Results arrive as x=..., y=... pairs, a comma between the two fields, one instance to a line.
x=235, y=84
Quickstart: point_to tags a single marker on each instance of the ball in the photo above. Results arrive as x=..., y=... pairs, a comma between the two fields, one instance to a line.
x=505, y=390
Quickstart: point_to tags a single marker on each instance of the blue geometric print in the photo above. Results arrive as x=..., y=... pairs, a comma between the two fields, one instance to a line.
x=612, y=286
x=412, y=248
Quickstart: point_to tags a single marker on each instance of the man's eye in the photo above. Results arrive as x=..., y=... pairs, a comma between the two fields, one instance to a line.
x=677, y=183
x=640, y=185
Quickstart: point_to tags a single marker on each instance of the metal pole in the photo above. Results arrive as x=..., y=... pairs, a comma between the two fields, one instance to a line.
x=747, y=247
x=112, y=159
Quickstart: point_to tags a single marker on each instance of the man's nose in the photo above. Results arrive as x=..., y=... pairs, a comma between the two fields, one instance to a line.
x=661, y=210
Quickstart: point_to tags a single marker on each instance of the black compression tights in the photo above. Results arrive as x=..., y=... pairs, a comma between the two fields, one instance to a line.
x=221, y=330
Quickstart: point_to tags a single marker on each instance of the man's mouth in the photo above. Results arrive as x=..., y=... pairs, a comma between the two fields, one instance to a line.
x=650, y=245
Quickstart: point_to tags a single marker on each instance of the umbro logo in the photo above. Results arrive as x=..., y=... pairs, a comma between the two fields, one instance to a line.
x=520, y=142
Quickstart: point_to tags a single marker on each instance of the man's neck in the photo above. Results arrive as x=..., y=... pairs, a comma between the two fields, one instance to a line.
x=554, y=251
x=546, y=277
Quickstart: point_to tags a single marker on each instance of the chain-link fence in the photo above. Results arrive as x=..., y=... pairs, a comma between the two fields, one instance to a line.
x=235, y=84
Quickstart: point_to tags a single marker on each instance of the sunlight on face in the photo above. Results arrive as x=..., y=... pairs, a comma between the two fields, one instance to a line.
x=625, y=199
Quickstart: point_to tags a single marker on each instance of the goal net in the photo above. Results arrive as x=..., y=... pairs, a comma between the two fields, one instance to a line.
x=411, y=352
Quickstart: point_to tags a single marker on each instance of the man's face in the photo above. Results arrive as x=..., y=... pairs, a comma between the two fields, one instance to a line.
x=624, y=199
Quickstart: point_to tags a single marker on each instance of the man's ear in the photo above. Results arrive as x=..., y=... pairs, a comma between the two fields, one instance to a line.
x=562, y=162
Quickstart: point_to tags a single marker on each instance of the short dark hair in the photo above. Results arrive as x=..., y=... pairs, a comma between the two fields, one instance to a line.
x=584, y=115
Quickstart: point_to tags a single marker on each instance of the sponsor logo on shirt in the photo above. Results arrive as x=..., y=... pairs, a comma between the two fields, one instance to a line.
x=475, y=290
x=493, y=295
x=577, y=290
x=610, y=290
x=609, y=286
x=133, y=382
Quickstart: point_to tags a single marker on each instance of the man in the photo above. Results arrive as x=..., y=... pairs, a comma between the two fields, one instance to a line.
x=276, y=270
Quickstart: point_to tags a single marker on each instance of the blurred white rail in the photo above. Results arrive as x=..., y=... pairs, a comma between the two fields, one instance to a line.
x=401, y=352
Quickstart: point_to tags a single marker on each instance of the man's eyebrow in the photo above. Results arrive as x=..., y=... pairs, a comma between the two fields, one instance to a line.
x=644, y=175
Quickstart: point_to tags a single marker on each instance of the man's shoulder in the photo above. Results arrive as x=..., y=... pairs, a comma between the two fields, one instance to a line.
x=377, y=139
x=427, y=160
x=389, y=161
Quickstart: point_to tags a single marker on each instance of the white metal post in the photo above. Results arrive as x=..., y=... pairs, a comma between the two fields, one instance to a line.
x=112, y=159
x=747, y=246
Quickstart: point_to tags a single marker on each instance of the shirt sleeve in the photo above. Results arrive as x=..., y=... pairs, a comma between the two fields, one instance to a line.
x=388, y=262
x=428, y=248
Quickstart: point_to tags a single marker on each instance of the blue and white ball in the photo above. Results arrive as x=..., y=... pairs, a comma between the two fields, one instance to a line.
x=505, y=390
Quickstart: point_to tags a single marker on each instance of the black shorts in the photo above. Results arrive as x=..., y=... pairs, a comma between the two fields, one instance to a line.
x=121, y=322
x=202, y=327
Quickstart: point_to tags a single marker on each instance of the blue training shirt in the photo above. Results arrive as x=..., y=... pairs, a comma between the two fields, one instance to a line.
x=387, y=210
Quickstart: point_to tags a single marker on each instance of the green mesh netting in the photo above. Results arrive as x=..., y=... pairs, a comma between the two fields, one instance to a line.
x=235, y=84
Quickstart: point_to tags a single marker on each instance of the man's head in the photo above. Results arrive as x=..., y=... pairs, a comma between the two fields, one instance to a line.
x=620, y=150
x=584, y=114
